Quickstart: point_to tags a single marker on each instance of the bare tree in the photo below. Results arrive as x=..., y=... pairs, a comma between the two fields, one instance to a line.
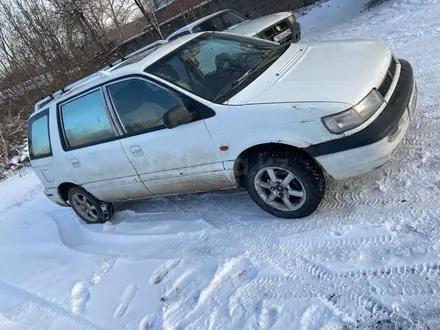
x=148, y=10
x=119, y=12
x=44, y=46
x=29, y=40
x=33, y=50
x=73, y=11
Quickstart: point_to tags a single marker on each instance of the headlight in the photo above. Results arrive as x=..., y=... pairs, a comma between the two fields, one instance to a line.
x=292, y=19
x=355, y=116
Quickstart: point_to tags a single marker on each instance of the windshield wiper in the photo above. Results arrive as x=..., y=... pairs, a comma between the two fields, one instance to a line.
x=269, y=55
x=266, y=58
x=228, y=89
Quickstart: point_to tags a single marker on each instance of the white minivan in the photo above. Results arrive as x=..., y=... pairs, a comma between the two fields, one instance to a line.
x=214, y=111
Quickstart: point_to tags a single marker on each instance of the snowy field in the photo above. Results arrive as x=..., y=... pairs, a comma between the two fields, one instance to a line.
x=368, y=259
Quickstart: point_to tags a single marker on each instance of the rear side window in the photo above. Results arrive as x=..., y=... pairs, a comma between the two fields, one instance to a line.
x=85, y=121
x=39, y=140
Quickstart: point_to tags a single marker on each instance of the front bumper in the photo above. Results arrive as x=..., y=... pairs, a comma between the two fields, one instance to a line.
x=372, y=147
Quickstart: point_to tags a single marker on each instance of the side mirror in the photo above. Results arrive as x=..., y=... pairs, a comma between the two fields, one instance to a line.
x=179, y=115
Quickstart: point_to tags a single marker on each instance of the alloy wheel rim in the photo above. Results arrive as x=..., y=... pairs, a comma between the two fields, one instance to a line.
x=85, y=207
x=280, y=188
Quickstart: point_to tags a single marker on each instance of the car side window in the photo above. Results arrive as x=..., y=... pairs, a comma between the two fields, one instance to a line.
x=39, y=139
x=85, y=120
x=140, y=104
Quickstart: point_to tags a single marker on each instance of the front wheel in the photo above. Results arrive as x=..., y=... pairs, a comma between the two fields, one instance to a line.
x=287, y=186
x=88, y=207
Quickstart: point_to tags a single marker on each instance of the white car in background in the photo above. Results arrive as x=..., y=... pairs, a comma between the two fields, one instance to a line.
x=279, y=27
x=216, y=110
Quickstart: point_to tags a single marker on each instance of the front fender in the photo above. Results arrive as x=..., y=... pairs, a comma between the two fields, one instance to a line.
x=237, y=128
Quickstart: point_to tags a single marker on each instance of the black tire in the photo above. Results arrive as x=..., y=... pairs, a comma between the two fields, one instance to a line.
x=308, y=175
x=104, y=210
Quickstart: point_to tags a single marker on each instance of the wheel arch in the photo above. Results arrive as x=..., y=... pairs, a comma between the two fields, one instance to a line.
x=242, y=162
x=63, y=190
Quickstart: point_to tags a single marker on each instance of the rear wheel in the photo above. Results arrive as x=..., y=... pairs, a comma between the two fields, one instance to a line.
x=286, y=186
x=89, y=208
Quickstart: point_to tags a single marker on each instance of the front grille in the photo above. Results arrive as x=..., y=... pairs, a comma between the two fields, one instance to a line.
x=276, y=29
x=388, y=80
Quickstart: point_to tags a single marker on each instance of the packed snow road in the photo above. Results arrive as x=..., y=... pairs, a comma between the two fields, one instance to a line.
x=368, y=259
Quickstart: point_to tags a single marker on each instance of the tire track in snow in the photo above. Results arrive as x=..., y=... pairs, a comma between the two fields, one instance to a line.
x=422, y=213
x=352, y=253
x=370, y=190
x=275, y=288
x=378, y=197
x=356, y=198
x=24, y=198
x=282, y=288
x=421, y=139
x=346, y=242
x=422, y=269
x=398, y=271
x=25, y=310
x=289, y=262
x=406, y=287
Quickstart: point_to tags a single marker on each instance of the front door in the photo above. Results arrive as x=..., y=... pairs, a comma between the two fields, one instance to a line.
x=168, y=161
x=93, y=152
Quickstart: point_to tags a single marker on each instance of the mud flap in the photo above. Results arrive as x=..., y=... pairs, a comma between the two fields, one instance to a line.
x=107, y=210
x=296, y=31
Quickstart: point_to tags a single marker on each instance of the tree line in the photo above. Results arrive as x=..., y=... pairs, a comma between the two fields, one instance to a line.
x=46, y=45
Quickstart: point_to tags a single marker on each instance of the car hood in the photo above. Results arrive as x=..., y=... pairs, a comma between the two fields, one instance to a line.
x=335, y=71
x=255, y=26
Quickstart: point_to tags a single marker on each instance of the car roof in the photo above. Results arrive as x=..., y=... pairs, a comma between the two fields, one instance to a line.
x=190, y=26
x=119, y=70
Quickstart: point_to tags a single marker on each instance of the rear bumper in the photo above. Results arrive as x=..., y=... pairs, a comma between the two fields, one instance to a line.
x=54, y=196
x=372, y=147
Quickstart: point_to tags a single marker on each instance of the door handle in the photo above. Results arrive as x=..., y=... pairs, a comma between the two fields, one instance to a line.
x=136, y=151
x=75, y=162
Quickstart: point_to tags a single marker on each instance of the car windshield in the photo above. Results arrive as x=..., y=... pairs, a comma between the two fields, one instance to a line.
x=220, y=22
x=216, y=67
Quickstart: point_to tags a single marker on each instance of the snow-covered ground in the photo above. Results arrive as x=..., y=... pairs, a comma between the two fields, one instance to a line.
x=368, y=259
